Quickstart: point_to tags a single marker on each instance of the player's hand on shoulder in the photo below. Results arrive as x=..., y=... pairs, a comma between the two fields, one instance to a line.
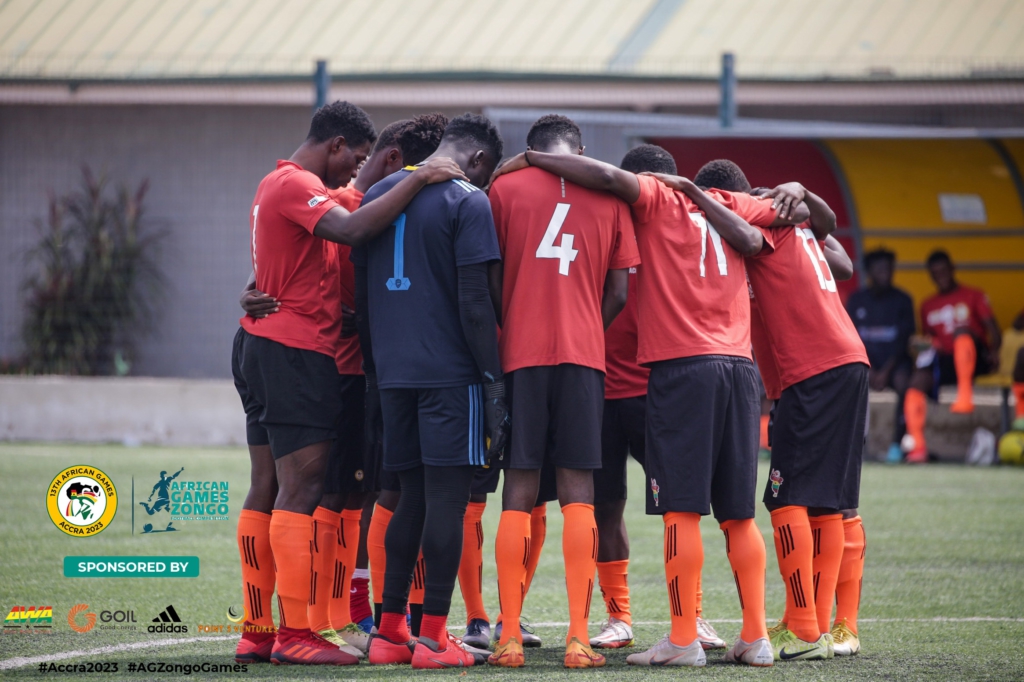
x=676, y=182
x=510, y=165
x=786, y=197
x=440, y=169
x=257, y=304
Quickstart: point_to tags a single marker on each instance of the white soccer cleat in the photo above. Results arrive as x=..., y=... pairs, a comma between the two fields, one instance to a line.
x=614, y=634
x=844, y=640
x=355, y=637
x=758, y=653
x=707, y=636
x=667, y=653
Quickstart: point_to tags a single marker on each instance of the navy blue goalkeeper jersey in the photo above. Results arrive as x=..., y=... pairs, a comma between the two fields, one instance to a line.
x=413, y=283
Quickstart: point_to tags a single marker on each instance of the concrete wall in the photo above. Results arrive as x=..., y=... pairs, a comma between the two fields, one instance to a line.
x=203, y=164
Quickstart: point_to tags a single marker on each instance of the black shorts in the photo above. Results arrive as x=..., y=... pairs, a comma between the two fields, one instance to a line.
x=345, y=467
x=556, y=417
x=485, y=482
x=291, y=396
x=435, y=426
x=623, y=433
x=703, y=428
x=818, y=440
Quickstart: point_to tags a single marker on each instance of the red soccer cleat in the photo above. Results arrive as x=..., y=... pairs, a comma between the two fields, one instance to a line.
x=255, y=647
x=383, y=651
x=428, y=655
x=304, y=647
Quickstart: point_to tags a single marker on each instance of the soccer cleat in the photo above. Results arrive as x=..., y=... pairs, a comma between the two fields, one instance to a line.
x=846, y=641
x=830, y=643
x=707, y=636
x=786, y=646
x=303, y=647
x=757, y=653
x=508, y=655
x=332, y=636
x=895, y=454
x=428, y=654
x=669, y=654
x=478, y=633
x=255, y=647
x=530, y=640
x=614, y=635
x=382, y=651
x=580, y=655
x=776, y=629
x=355, y=637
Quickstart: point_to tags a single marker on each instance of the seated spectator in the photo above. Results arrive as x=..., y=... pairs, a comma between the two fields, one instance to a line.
x=1012, y=363
x=963, y=342
x=884, y=317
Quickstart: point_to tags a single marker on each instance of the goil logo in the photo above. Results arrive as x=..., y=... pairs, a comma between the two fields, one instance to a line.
x=88, y=618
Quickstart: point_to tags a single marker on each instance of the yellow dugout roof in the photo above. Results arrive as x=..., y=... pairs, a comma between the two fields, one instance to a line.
x=772, y=39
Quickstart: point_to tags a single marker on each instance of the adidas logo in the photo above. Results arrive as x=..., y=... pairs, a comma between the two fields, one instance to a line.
x=168, y=615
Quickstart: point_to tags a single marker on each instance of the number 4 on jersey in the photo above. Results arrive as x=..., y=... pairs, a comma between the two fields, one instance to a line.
x=564, y=251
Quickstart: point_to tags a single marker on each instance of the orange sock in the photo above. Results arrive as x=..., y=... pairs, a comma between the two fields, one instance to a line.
x=613, y=578
x=325, y=547
x=915, y=411
x=827, y=532
x=291, y=537
x=375, y=549
x=1018, y=392
x=538, y=532
x=579, y=550
x=745, y=547
x=419, y=575
x=347, y=542
x=794, y=550
x=965, y=357
x=471, y=568
x=512, y=554
x=257, y=566
x=851, y=572
x=684, y=558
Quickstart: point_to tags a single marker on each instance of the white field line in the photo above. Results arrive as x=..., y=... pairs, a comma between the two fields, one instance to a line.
x=937, y=619
x=115, y=648
x=111, y=649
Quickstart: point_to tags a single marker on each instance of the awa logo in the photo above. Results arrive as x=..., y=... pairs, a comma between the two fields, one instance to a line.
x=168, y=620
x=27, y=618
x=81, y=501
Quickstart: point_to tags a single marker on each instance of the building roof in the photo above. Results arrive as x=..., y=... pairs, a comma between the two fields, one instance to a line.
x=777, y=39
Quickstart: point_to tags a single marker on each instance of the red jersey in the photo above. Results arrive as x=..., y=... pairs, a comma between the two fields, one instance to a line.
x=943, y=314
x=803, y=318
x=558, y=241
x=291, y=264
x=763, y=354
x=347, y=356
x=624, y=378
x=692, y=292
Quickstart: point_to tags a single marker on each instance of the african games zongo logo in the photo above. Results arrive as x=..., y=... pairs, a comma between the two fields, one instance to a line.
x=81, y=501
x=181, y=500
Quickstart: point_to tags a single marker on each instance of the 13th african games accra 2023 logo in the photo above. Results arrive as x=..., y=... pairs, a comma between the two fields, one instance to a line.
x=81, y=501
x=182, y=500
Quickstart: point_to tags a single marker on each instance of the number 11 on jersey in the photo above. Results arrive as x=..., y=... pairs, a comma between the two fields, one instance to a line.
x=564, y=251
x=399, y=282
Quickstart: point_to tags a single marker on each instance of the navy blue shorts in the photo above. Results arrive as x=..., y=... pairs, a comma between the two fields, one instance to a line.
x=703, y=428
x=347, y=460
x=435, y=426
x=623, y=433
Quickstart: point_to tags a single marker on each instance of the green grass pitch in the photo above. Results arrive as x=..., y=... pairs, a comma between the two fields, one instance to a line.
x=943, y=587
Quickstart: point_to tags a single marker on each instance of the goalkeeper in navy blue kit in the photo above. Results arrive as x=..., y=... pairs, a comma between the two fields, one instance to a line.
x=428, y=332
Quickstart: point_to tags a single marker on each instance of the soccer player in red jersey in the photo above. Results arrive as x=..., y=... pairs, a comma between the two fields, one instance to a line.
x=694, y=332
x=284, y=370
x=819, y=424
x=964, y=340
x=566, y=252
x=352, y=483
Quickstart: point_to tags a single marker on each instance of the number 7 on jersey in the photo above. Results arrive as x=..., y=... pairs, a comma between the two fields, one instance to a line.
x=564, y=251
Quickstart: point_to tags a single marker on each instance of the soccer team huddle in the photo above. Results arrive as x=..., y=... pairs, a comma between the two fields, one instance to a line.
x=422, y=321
